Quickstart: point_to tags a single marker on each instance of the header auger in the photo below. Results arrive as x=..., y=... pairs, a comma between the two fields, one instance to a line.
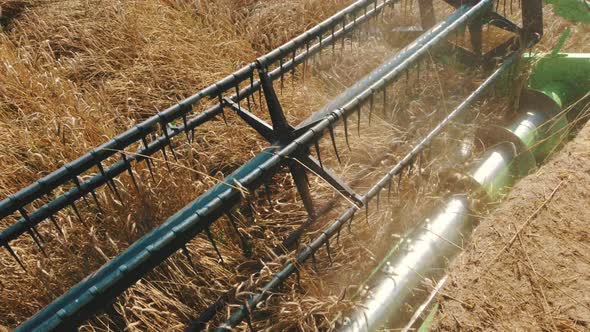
x=294, y=147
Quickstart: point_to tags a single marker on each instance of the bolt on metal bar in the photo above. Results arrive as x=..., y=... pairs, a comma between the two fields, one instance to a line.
x=348, y=214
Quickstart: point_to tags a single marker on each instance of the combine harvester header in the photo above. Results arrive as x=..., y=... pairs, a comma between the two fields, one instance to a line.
x=291, y=147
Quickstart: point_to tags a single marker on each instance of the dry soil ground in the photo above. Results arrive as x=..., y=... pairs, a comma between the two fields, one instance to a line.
x=527, y=267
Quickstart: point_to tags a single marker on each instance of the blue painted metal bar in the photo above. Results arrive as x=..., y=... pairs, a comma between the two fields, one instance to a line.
x=91, y=295
x=113, y=278
x=348, y=214
x=94, y=293
x=365, y=10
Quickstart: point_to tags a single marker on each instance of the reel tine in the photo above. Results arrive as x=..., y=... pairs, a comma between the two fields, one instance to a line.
x=188, y=257
x=367, y=212
x=220, y=99
x=293, y=54
x=369, y=23
x=238, y=101
x=352, y=32
x=333, y=43
x=129, y=170
x=41, y=238
x=93, y=193
x=77, y=212
x=171, y=146
x=378, y=199
x=23, y=214
x=148, y=160
x=320, y=51
x=251, y=207
x=248, y=103
x=101, y=169
x=116, y=191
x=164, y=128
x=389, y=188
x=297, y=276
x=331, y=130
x=375, y=9
x=36, y=240
x=372, y=105
x=282, y=74
x=163, y=149
x=111, y=183
x=248, y=318
x=149, y=165
x=358, y=121
x=54, y=222
x=343, y=38
x=305, y=60
x=420, y=156
x=350, y=222
x=232, y=221
x=407, y=75
x=327, y=243
x=250, y=97
x=210, y=237
x=268, y=192
x=186, y=130
x=345, y=120
x=317, y=152
x=306, y=178
x=314, y=262
x=260, y=96
x=77, y=183
x=15, y=256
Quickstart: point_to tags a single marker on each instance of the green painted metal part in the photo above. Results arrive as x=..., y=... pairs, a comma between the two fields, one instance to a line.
x=563, y=77
x=425, y=327
x=556, y=81
x=573, y=10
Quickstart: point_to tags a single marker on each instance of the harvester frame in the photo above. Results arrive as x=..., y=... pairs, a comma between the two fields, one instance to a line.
x=288, y=142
